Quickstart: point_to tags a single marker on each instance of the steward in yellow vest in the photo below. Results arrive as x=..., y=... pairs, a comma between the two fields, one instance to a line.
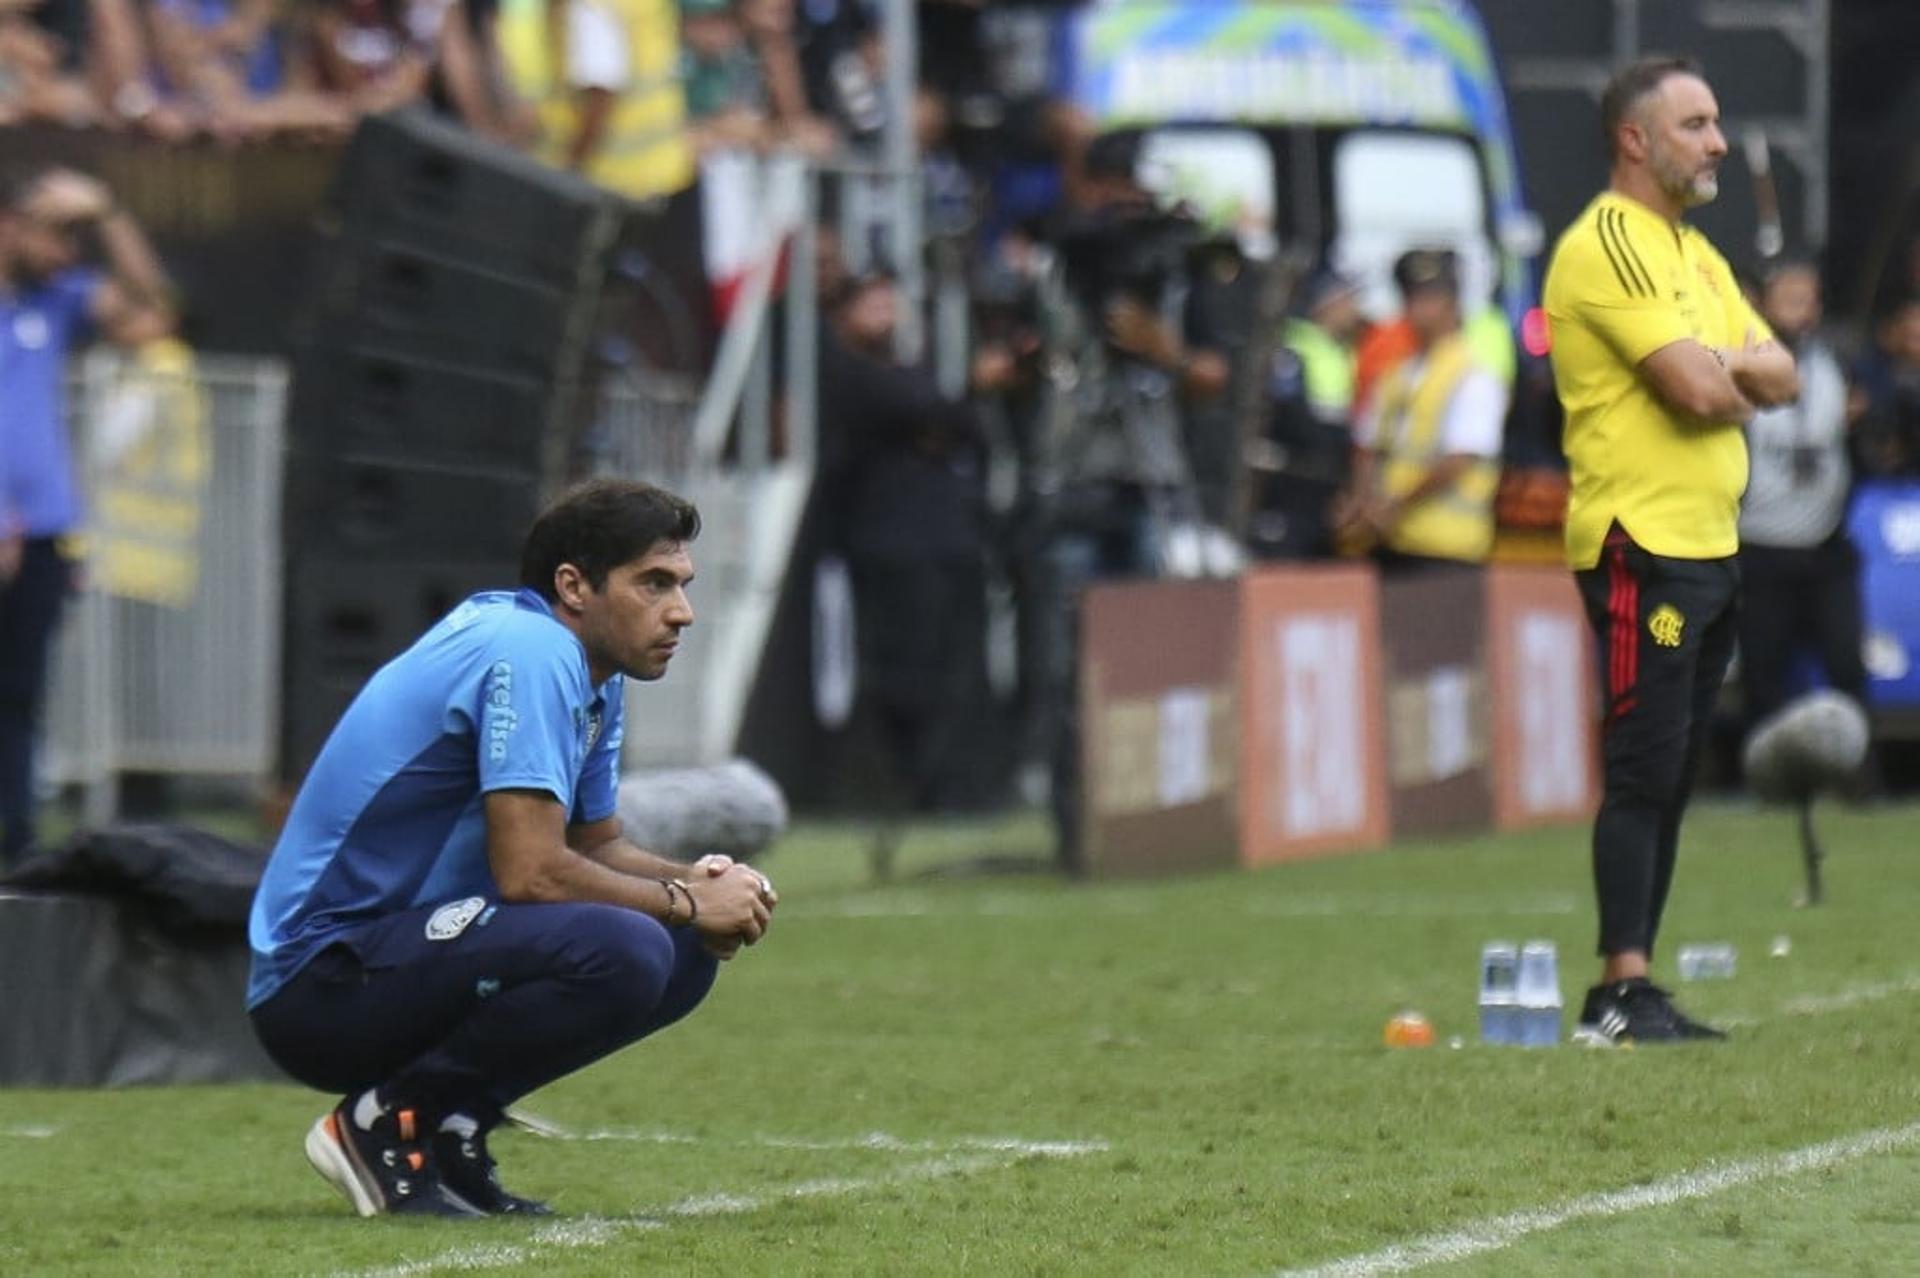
x=604, y=77
x=151, y=457
x=1428, y=456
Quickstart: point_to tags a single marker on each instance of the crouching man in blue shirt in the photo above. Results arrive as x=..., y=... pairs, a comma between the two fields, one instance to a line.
x=451, y=918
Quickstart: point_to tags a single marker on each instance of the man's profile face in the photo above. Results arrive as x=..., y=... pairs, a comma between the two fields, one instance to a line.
x=633, y=622
x=1684, y=146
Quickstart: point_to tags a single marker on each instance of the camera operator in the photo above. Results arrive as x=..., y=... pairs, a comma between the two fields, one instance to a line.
x=1108, y=489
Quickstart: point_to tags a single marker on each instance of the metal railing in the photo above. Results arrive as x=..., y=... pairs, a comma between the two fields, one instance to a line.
x=143, y=687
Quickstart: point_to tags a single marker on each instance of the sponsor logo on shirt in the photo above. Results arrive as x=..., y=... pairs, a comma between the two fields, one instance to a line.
x=451, y=919
x=499, y=720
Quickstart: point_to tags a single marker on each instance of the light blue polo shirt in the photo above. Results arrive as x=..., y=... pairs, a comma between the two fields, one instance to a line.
x=495, y=697
x=39, y=330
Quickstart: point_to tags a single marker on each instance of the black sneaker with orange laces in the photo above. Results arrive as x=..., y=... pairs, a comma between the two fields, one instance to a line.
x=381, y=1160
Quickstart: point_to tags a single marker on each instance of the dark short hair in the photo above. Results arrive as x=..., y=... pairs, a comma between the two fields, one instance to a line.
x=1633, y=82
x=1427, y=268
x=599, y=525
x=1787, y=264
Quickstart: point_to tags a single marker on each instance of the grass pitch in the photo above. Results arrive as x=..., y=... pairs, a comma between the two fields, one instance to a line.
x=1017, y=1075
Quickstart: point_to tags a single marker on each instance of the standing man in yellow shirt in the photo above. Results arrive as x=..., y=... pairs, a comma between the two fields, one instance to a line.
x=1659, y=361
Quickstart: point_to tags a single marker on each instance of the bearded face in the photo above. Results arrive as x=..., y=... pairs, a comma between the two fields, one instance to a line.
x=1681, y=123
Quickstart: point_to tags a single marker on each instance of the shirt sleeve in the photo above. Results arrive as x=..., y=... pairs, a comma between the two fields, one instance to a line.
x=598, y=792
x=1607, y=287
x=526, y=693
x=596, y=48
x=1476, y=416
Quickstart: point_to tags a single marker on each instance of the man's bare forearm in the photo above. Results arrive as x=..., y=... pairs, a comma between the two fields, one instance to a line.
x=567, y=874
x=136, y=267
x=626, y=857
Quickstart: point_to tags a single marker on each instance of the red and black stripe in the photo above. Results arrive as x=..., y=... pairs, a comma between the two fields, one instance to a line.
x=1623, y=632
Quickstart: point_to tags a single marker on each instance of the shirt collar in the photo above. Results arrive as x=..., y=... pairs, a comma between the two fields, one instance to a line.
x=533, y=601
x=1635, y=209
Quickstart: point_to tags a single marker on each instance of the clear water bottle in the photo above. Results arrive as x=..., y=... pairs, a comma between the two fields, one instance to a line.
x=1715, y=962
x=1499, y=992
x=1538, y=995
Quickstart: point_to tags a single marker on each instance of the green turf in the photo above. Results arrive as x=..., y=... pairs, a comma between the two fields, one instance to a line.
x=1217, y=1037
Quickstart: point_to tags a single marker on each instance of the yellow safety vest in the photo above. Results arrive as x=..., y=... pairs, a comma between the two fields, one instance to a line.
x=147, y=504
x=645, y=152
x=1454, y=523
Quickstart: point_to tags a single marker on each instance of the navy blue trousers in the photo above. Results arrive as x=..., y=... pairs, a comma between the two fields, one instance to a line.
x=522, y=995
x=30, y=606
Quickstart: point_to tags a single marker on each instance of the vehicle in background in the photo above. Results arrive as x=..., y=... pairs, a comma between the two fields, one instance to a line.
x=1344, y=134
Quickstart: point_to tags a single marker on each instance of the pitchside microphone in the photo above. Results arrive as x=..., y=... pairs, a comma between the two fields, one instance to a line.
x=1813, y=744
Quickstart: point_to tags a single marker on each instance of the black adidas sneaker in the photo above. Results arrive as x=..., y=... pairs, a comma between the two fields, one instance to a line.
x=1638, y=1011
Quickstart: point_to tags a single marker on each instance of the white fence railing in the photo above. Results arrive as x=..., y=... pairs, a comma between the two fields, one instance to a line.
x=143, y=687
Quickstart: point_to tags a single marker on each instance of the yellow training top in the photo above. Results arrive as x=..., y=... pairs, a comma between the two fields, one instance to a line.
x=1623, y=283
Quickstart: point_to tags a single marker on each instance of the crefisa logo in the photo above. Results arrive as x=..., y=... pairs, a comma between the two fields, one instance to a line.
x=500, y=719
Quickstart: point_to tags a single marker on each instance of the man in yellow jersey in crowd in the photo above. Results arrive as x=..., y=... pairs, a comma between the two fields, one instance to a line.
x=1659, y=361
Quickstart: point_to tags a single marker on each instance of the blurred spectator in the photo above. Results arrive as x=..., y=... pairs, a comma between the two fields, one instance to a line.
x=222, y=66
x=471, y=81
x=1323, y=339
x=372, y=54
x=726, y=93
x=49, y=305
x=148, y=459
x=1385, y=345
x=1301, y=460
x=1884, y=402
x=42, y=67
x=1799, y=570
x=1429, y=443
x=769, y=25
x=904, y=474
x=604, y=75
x=838, y=51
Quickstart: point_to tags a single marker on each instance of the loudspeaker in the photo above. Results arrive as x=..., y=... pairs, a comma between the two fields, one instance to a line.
x=347, y=617
x=432, y=306
x=415, y=180
x=369, y=404
x=440, y=358
x=374, y=513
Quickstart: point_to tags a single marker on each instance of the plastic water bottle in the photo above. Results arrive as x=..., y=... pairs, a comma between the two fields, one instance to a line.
x=1714, y=962
x=1499, y=992
x=1538, y=994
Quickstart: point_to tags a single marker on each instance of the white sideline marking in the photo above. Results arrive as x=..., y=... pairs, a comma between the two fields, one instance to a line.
x=1821, y=1004
x=880, y=1142
x=917, y=906
x=29, y=1133
x=1499, y=1232
x=599, y=1231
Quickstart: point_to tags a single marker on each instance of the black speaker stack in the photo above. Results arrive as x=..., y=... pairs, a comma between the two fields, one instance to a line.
x=440, y=363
